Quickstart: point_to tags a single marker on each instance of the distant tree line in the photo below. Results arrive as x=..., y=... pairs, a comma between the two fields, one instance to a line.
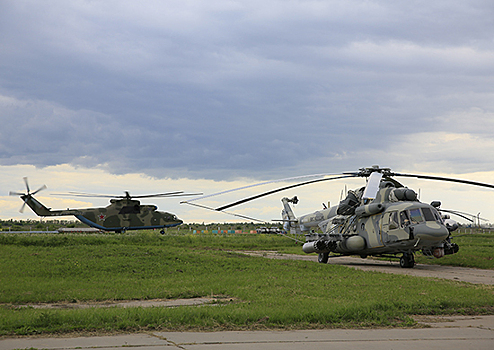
x=37, y=225
x=53, y=225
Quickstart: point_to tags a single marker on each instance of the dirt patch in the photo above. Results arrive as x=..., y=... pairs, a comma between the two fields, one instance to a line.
x=129, y=303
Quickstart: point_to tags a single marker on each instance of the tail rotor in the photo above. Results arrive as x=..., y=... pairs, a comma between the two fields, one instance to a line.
x=25, y=196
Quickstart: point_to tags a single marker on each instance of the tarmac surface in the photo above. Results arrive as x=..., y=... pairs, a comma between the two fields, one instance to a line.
x=452, y=333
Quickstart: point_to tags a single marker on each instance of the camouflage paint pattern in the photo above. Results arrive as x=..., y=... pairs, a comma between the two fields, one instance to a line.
x=120, y=215
x=379, y=224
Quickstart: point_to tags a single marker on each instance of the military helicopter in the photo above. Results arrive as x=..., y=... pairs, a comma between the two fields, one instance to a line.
x=383, y=218
x=124, y=212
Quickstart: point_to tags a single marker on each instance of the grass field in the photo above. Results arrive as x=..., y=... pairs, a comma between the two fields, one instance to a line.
x=258, y=293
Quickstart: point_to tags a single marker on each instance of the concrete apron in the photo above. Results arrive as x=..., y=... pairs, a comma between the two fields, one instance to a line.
x=453, y=333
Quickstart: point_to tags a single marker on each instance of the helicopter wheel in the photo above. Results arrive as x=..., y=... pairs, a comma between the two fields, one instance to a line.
x=323, y=258
x=407, y=260
x=162, y=232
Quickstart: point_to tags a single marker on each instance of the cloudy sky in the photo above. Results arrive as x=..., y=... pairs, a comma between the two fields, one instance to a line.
x=152, y=96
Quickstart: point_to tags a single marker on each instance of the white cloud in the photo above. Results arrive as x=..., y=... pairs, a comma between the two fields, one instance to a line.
x=443, y=151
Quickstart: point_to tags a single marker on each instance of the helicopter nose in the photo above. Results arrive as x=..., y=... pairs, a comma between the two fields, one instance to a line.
x=177, y=221
x=430, y=232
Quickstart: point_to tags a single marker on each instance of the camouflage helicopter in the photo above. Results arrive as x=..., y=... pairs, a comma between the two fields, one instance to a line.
x=124, y=212
x=383, y=218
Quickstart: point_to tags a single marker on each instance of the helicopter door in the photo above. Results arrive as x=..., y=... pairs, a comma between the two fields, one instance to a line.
x=390, y=229
x=385, y=227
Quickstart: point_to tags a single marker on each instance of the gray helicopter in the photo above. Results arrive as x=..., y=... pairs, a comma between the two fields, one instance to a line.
x=383, y=218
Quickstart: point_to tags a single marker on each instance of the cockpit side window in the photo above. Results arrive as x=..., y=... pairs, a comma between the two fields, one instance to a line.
x=416, y=216
x=404, y=219
x=438, y=217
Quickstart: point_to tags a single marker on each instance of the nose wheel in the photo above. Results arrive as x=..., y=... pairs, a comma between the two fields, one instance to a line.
x=323, y=258
x=407, y=260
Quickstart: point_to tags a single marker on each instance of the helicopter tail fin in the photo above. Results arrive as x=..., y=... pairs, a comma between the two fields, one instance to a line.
x=36, y=206
x=290, y=222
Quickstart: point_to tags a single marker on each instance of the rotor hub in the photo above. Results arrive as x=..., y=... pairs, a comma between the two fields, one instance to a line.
x=366, y=172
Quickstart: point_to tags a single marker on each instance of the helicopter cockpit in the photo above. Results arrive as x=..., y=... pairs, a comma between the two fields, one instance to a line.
x=419, y=215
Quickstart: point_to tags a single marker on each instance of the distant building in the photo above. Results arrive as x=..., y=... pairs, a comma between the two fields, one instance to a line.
x=272, y=230
x=79, y=230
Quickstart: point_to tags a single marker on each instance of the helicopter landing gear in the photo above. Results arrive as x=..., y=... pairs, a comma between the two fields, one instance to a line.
x=323, y=258
x=162, y=231
x=407, y=260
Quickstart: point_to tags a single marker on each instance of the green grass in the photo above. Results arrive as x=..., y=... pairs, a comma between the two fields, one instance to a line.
x=265, y=293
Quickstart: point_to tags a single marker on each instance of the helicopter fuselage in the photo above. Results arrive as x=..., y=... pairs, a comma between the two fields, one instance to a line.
x=120, y=215
x=399, y=227
x=384, y=226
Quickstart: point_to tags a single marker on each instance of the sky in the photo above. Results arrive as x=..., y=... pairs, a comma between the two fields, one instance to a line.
x=156, y=96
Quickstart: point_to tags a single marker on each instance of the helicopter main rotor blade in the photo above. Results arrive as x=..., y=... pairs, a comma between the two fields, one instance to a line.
x=169, y=194
x=260, y=184
x=440, y=178
x=226, y=212
x=279, y=190
x=372, y=187
x=467, y=216
x=82, y=194
x=166, y=194
x=456, y=213
x=181, y=195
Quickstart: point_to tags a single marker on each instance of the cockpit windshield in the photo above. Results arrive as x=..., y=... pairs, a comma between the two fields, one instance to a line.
x=428, y=214
x=418, y=215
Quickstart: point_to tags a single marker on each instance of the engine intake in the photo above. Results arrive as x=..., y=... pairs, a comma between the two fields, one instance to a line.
x=369, y=209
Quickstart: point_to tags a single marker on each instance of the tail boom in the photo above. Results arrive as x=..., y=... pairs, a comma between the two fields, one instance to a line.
x=41, y=210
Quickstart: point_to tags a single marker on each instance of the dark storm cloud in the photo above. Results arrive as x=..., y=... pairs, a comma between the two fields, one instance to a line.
x=225, y=89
